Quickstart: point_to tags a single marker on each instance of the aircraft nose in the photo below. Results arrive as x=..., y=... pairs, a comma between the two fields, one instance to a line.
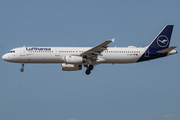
x=5, y=57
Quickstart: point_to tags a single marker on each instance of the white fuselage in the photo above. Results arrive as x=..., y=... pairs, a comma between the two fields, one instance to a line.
x=57, y=54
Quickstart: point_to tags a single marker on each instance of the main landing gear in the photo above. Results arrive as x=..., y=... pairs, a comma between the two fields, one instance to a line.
x=22, y=69
x=89, y=68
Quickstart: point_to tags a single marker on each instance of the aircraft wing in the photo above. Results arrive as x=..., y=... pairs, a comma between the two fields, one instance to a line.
x=167, y=49
x=95, y=51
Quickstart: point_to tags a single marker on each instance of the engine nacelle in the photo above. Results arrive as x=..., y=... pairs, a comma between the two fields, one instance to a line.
x=74, y=59
x=70, y=67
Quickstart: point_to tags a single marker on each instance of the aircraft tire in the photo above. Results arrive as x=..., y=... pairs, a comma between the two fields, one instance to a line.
x=88, y=72
x=22, y=69
x=91, y=67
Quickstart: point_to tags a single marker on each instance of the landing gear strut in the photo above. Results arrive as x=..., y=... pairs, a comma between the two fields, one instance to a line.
x=22, y=69
x=89, y=68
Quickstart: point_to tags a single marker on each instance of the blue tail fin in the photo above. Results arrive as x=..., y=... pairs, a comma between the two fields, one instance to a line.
x=161, y=42
x=163, y=39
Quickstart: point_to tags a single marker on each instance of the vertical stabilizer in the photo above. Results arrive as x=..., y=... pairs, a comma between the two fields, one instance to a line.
x=162, y=40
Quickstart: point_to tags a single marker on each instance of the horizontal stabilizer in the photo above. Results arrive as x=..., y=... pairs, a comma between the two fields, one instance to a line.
x=167, y=50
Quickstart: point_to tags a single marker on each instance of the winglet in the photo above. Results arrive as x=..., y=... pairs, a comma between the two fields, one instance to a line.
x=113, y=39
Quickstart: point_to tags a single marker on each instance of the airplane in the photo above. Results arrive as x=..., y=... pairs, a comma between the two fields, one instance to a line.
x=73, y=58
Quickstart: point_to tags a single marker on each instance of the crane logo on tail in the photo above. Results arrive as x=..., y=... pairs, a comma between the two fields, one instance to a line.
x=162, y=41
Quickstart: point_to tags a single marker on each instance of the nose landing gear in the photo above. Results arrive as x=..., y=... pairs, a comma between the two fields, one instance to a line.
x=22, y=69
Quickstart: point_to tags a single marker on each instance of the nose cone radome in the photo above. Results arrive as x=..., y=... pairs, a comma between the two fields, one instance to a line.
x=5, y=57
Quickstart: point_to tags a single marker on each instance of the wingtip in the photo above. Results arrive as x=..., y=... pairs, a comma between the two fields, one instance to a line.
x=113, y=39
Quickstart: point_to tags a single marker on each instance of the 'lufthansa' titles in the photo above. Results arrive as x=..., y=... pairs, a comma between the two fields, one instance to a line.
x=37, y=48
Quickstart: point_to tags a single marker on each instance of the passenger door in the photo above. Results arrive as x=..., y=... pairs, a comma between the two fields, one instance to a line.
x=22, y=51
x=147, y=53
x=57, y=52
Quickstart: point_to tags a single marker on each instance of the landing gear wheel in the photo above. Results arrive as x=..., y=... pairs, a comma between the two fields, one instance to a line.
x=22, y=69
x=88, y=72
x=91, y=67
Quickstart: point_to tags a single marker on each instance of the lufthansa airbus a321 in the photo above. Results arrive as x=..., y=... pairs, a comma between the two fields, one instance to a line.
x=73, y=58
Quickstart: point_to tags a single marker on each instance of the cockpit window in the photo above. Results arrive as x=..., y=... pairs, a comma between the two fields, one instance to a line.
x=12, y=51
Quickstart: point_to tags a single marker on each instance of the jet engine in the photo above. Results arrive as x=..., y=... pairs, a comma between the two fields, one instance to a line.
x=70, y=67
x=74, y=59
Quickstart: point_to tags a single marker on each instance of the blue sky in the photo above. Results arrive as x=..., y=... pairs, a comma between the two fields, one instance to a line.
x=141, y=91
